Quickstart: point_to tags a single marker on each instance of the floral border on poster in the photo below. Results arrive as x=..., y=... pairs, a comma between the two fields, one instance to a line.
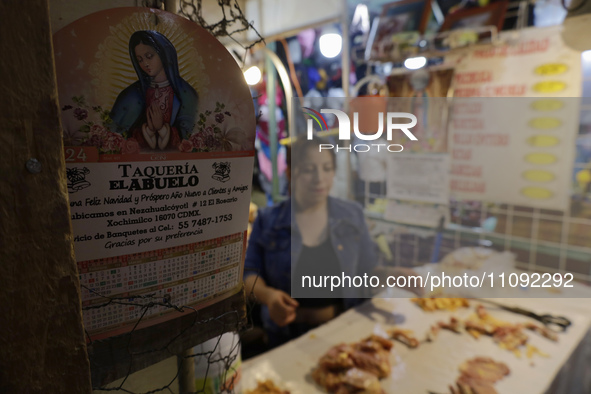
x=212, y=132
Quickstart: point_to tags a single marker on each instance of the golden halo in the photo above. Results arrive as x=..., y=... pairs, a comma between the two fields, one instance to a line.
x=113, y=70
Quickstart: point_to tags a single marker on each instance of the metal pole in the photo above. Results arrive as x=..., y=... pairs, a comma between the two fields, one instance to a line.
x=346, y=71
x=286, y=83
x=346, y=51
x=272, y=120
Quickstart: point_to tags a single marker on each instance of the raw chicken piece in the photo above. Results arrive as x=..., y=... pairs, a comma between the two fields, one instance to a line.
x=355, y=368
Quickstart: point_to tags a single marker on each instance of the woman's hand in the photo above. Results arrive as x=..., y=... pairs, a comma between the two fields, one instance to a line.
x=149, y=123
x=149, y=135
x=164, y=136
x=157, y=116
x=156, y=132
x=282, y=308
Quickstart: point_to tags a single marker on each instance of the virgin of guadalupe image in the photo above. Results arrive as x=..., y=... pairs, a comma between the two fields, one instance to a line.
x=159, y=109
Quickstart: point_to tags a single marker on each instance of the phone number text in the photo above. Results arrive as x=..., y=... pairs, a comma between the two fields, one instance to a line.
x=204, y=221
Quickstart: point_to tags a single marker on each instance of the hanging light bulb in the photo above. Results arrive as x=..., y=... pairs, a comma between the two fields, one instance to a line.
x=414, y=63
x=253, y=75
x=331, y=43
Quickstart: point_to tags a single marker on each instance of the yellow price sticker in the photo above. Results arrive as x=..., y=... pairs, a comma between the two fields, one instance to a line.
x=543, y=141
x=551, y=69
x=549, y=87
x=541, y=158
x=545, y=123
x=538, y=176
x=537, y=193
x=547, y=105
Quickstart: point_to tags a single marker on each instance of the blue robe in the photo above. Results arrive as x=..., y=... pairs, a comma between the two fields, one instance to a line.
x=129, y=110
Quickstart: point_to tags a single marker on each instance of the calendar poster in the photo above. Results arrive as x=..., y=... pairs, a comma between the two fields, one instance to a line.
x=158, y=128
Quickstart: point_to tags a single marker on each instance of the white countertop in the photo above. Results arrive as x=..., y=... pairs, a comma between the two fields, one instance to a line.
x=432, y=366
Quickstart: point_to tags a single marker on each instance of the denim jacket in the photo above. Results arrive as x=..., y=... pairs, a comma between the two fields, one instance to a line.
x=275, y=242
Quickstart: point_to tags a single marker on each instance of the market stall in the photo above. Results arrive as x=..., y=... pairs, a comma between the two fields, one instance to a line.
x=483, y=179
x=500, y=162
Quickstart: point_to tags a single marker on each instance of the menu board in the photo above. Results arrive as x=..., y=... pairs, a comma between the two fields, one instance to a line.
x=158, y=128
x=516, y=150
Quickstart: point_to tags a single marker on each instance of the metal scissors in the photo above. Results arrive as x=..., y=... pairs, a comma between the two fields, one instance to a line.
x=555, y=323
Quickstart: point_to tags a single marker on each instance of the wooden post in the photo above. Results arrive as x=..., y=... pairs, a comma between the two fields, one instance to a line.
x=42, y=345
x=186, y=365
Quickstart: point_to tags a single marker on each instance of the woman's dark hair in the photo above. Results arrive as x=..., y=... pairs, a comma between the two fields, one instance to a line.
x=300, y=148
x=165, y=51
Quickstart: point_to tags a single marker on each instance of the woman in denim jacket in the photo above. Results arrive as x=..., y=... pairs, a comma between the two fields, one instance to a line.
x=323, y=237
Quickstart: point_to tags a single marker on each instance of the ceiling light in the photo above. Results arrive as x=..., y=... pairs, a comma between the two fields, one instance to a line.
x=414, y=63
x=330, y=44
x=253, y=75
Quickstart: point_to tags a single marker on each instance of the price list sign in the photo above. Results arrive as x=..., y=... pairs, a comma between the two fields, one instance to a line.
x=158, y=128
